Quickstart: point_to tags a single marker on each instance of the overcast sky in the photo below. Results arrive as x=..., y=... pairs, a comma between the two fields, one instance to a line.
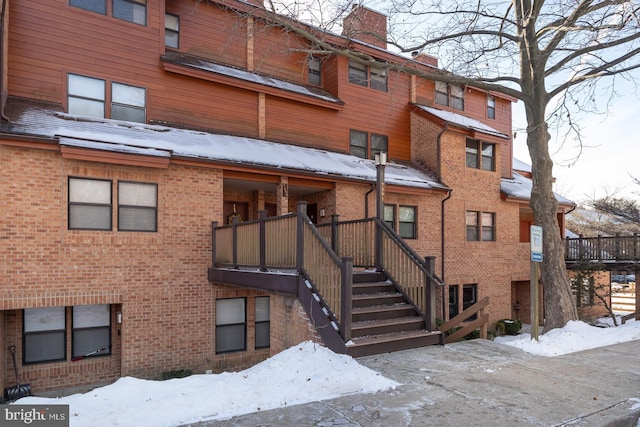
x=612, y=150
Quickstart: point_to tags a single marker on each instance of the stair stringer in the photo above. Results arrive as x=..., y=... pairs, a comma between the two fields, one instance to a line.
x=321, y=321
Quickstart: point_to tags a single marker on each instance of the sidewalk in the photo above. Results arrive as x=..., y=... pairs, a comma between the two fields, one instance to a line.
x=480, y=383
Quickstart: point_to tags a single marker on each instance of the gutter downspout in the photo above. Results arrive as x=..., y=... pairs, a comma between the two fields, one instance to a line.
x=366, y=200
x=3, y=61
x=442, y=222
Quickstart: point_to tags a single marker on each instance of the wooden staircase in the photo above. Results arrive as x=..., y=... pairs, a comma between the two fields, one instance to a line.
x=382, y=319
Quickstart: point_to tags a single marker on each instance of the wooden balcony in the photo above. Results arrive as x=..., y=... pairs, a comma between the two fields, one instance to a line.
x=391, y=306
x=614, y=253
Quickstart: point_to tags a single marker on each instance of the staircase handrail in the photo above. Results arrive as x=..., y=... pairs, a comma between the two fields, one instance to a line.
x=419, y=261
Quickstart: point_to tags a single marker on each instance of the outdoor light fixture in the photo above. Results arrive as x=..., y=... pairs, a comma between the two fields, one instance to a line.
x=381, y=158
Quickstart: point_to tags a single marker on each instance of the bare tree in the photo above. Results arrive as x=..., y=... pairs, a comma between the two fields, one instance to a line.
x=553, y=55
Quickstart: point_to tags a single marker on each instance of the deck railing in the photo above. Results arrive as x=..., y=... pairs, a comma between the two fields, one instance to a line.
x=325, y=257
x=601, y=248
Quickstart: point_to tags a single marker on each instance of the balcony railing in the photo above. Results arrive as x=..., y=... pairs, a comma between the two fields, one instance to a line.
x=325, y=257
x=603, y=249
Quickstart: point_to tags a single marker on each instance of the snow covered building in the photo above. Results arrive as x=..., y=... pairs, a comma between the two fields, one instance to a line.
x=192, y=185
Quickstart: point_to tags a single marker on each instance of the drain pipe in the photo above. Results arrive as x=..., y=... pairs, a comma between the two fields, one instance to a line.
x=442, y=222
x=366, y=201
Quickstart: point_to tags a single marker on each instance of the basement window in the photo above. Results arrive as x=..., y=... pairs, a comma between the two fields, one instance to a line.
x=231, y=325
x=263, y=322
x=91, y=330
x=44, y=334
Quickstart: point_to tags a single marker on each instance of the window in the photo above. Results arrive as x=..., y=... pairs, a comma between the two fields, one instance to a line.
x=231, y=325
x=315, y=71
x=480, y=155
x=359, y=144
x=87, y=97
x=491, y=107
x=480, y=226
x=128, y=103
x=449, y=95
x=390, y=216
x=44, y=334
x=137, y=206
x=263, y=322
x=363, y=75
x=98, y=6
x=407, y=222
x=91, y=330
x=454, y=300
x=129, y=10
x=89, y=204
x=171, y=30
x=358, y=73
x=469, y=297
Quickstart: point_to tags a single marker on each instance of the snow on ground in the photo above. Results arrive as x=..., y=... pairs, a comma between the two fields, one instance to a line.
x=575, y=336
x=303, y=373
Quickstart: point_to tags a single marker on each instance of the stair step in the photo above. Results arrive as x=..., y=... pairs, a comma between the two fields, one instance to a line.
x=380, y=312
x=386, y=326
x=380, y=298
x=372, y=287
x=368, y=276
x=385, y=343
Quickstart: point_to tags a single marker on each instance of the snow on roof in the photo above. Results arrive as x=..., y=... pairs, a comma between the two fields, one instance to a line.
x=213, y=67
x=162, y=141
x=462, y=121
x=519, y=165
x=519, y=187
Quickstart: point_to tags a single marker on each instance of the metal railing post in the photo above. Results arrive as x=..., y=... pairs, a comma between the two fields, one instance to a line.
x=214, y=225
x=346, y=298
x=263, y=240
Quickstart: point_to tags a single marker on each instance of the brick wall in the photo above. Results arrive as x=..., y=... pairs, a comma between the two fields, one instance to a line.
x=158, y=281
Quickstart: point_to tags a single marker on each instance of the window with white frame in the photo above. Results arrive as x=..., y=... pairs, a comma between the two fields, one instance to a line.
x=171, y=30
x=263, y=322
x=137, y=206
x=87, y=97
x=315, y=70
x=449, y=95
x=231, y=325
x=480, y=155
x=363, y=75
x=89, y=204
x=44, y=334
x=129, y=10
x=91, y=334
x=481, y=226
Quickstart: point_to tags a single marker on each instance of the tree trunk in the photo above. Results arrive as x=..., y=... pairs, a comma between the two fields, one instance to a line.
x=559, y=304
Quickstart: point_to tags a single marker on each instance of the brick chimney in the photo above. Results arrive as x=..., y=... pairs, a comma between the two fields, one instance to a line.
x=366, y=25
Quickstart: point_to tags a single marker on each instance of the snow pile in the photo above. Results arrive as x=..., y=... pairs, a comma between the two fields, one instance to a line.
x=575, y=336
x=300, y=374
